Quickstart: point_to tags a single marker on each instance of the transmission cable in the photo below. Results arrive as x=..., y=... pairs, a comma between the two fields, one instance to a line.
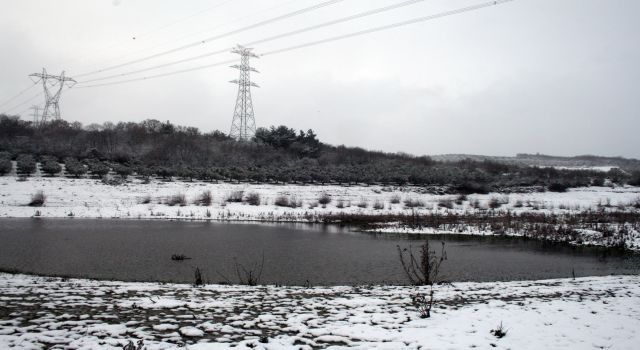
x=390, y=26
x=198, y=43
x=224, y=24
x=323, y=41
x=23, y=102
x=154, y=30
x=261, y=41
x=18, y=94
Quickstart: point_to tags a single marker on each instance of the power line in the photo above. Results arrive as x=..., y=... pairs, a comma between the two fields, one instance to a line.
x=261, y=41
x=323, y=41
x=18, y=94
x=198, y=43
x=164, y=26
x=26, y=101
x=157, y=75
x=390, y=26
x=224, y=24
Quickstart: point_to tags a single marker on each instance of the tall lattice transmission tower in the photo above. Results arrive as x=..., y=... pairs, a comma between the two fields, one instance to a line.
x=243, y=127
x=52, y=85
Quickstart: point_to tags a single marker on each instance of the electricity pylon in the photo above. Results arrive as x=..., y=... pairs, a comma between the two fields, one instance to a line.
x=36, y=115
x=52, y=85
x=243, y=127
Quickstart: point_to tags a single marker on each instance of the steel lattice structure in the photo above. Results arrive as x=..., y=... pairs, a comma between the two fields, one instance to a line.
x=36, y=115
x=243, y=127
x=52, y=85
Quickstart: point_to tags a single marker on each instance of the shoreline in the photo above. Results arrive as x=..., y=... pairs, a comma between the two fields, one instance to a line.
x=358, y=206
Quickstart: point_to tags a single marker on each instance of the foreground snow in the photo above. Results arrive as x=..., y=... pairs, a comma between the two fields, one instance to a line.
x=586, y=313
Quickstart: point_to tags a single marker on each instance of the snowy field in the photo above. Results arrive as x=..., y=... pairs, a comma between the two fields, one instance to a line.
x=585, y=313
x=89, y=198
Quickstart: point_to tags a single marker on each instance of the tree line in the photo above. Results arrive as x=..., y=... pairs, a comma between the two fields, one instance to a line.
x=276, y=154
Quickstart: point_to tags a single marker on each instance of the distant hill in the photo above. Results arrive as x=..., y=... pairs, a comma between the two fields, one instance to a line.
x=543, y=160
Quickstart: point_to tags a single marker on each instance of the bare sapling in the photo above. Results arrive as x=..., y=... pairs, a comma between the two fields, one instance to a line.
x=422, y=270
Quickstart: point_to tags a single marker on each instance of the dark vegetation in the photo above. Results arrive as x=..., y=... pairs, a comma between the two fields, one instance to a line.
x=278, y=154
x=614, y=226
x=38, y=199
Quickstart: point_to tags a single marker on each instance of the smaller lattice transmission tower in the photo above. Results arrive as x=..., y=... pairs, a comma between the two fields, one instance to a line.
x=243, y=127
x=52, y=85
x=36, y=115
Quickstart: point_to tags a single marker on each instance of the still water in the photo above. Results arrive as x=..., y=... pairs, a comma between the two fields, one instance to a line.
x=137, y=250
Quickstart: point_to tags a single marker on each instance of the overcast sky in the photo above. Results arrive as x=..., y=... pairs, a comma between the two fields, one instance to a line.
x=551, y=76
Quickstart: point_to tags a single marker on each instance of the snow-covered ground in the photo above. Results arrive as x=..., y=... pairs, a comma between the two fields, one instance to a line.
x=585, y=313
x=89, y=198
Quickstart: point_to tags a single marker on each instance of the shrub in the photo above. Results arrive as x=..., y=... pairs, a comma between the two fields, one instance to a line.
x=122, y=170
x=177, y=199
x=38, y=199
x=363, y=204
x=235, y=197
x=340, y=204
x=500, y=331
x=558, y=187
x=494, y=203
x=5, y=166
x=413, y=203
x=74, y=167
x=422, y=270
x=324, y=199
x=635, y=179
x=179, y=257
x=471, y=188
x=198, y=280
x=445, y=203
x=205, y=199
x=253, y=198
x=146, y=199
x=98, y=169
x=282, y=201
x=144, y=171
x=113, y=181
x=26, y=164
x=249, y=275
x=461, y=198
x=378, y=205
x=51, y=167
x=395, y=199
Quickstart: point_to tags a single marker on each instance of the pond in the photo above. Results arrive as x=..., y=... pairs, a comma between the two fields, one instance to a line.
x=138, y=250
